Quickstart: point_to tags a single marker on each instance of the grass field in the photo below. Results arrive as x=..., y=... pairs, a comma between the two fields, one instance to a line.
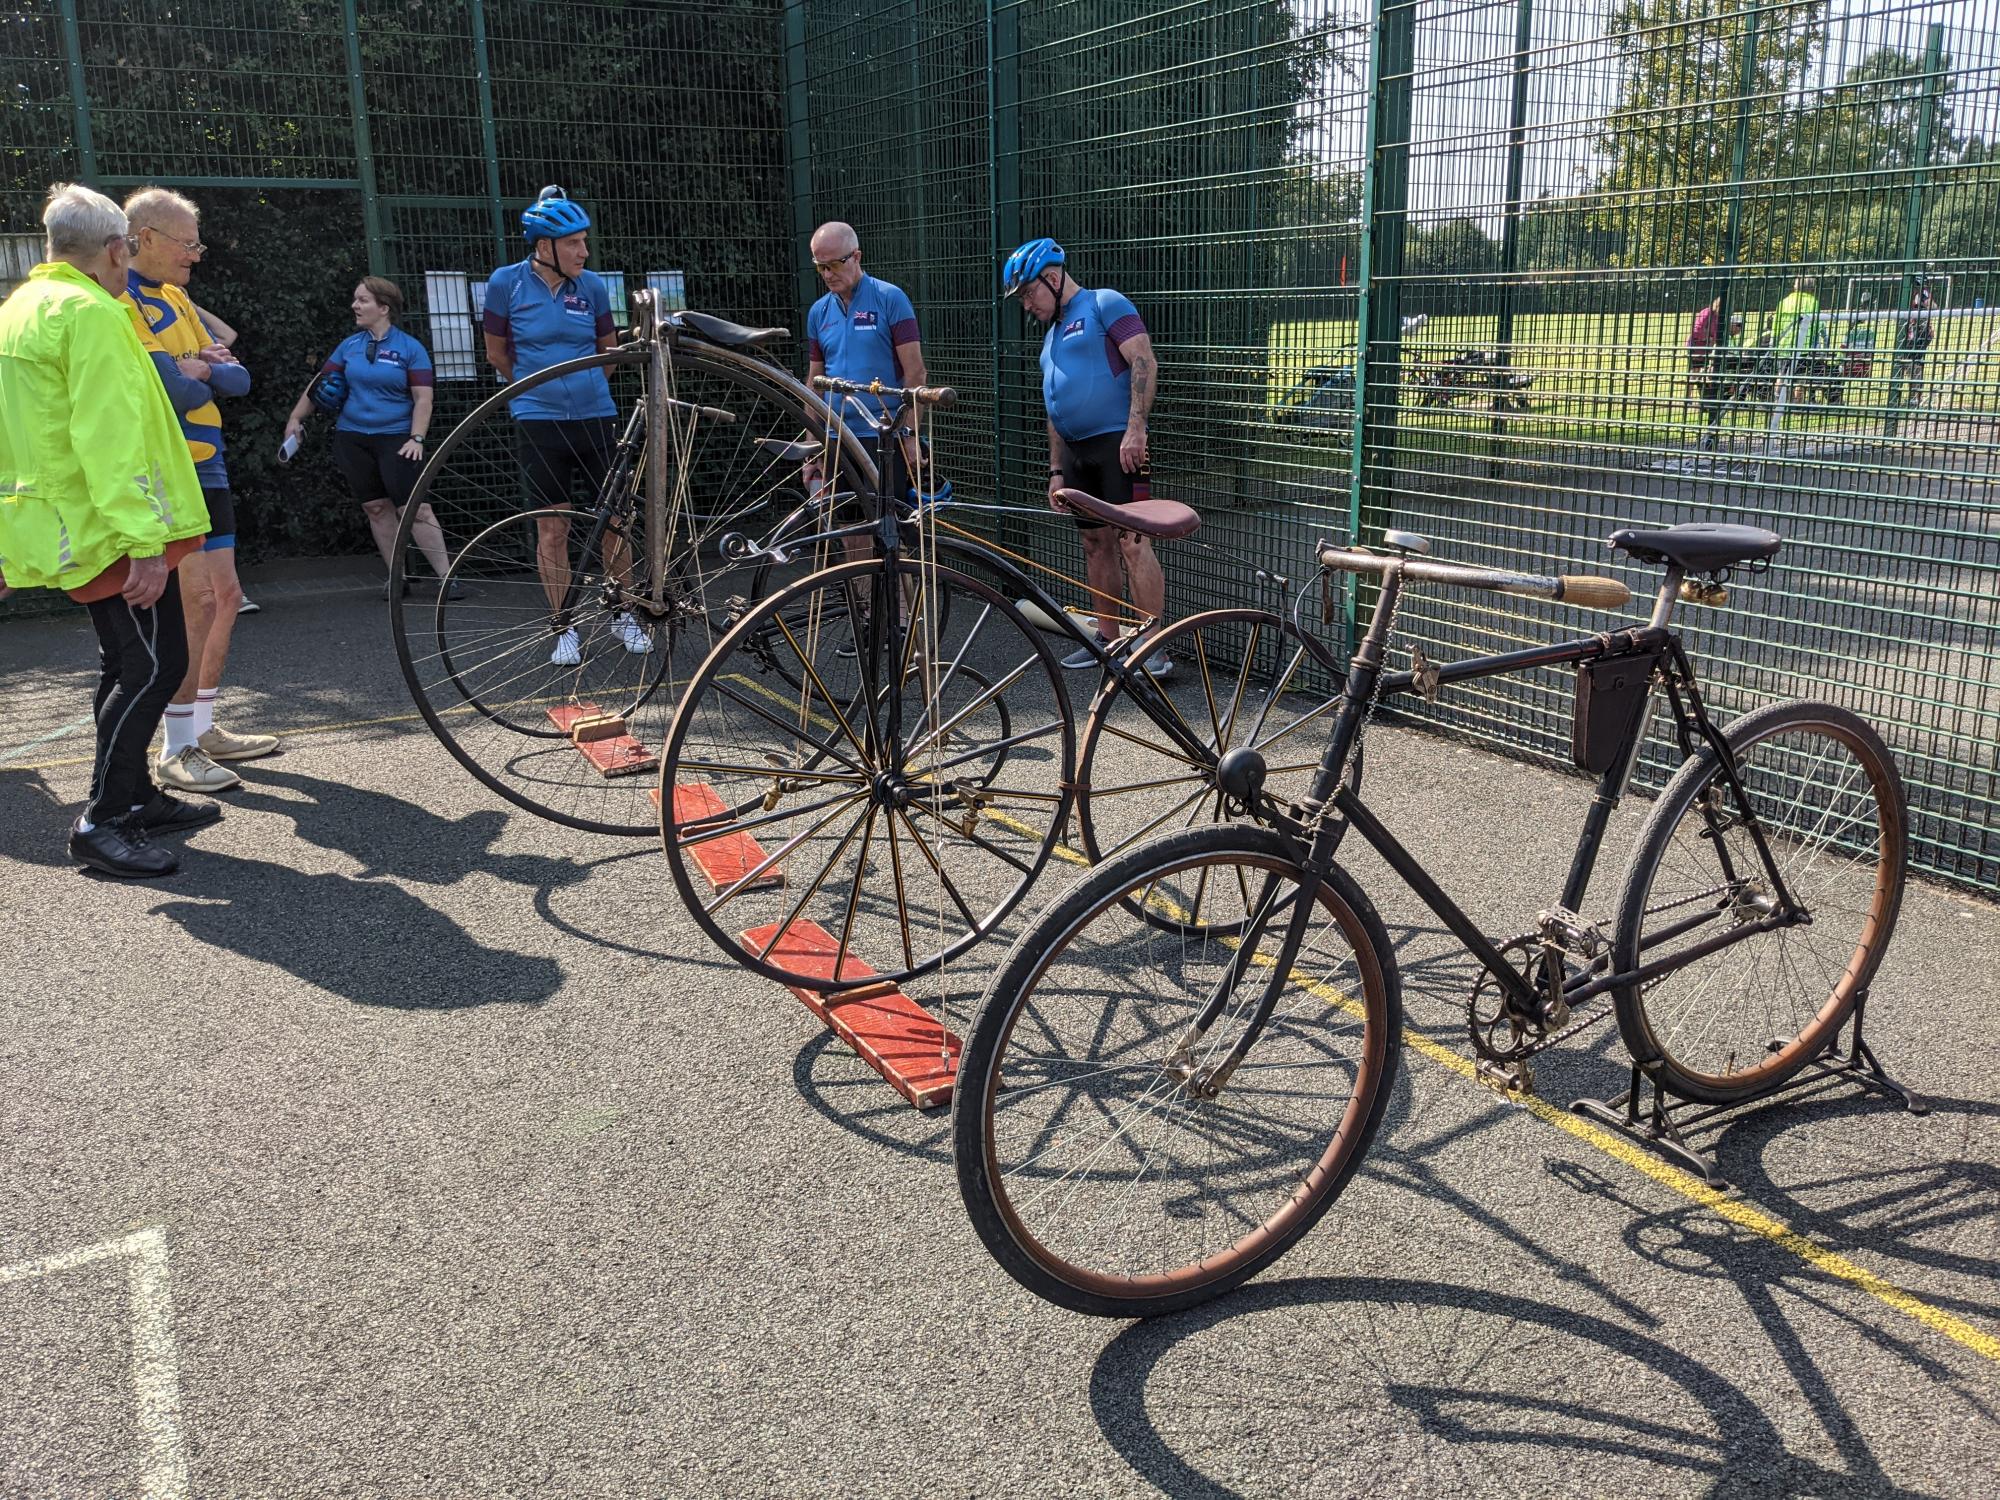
x=1623, y=377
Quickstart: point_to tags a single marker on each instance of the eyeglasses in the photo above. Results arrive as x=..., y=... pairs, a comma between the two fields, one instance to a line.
x=193, y=247
x=824, y=266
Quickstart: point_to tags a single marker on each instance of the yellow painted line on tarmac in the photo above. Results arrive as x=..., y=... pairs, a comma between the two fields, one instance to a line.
x=1742, y=1214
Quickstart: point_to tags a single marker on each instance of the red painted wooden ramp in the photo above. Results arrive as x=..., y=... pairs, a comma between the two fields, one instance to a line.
x=893, y=1034
x=722, y=861
x=614, y=753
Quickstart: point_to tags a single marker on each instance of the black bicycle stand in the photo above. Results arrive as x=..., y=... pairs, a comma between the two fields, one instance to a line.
x=1662, y=1125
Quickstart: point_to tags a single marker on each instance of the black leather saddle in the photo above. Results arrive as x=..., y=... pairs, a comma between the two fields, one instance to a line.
x=729, y=335
x=1698, y=546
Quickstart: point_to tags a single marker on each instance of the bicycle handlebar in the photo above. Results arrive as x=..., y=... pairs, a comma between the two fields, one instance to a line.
x=923, y=395
x=712, y=413
x=1586, y=591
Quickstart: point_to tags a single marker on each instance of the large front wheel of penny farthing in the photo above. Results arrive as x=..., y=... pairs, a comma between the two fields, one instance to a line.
x=821, y=797
x=1239, y=678
x=484, y=668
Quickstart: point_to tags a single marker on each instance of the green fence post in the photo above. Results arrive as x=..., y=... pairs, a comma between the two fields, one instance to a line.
x=364, y=153
x=917, y=131
x=79, y=98
x=1913, y=213
x=798, y=150
x=1517, y=150
x=487, y=138
x=1739, y=164
x=1385, y=189
x=1003, y=199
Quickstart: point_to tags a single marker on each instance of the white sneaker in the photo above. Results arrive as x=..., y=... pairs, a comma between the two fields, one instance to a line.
x=190, y=770
x=632, y=633
x=1160, y=665
x=249, y=606
x=568, y=652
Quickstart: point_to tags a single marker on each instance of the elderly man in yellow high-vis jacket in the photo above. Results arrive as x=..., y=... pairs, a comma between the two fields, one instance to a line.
x=98, y=497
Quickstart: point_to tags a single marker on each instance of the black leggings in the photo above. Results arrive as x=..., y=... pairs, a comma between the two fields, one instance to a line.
x=143, y=655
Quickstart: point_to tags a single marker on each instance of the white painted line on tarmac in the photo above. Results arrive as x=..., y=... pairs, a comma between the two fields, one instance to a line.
x=156, y=1380
x=86, y=722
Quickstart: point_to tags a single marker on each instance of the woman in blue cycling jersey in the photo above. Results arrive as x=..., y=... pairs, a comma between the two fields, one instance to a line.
x=379, y=380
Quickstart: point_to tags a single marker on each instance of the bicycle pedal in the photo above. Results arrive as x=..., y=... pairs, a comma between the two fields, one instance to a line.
x=1514, y=1081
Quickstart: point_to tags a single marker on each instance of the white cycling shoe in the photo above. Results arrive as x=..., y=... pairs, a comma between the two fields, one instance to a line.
x=568, y=652
x=632, y=634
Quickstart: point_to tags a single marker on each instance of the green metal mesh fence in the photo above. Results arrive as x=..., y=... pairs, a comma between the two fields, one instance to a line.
x=329, y=138
x=1434, y=265
x=1536, y=199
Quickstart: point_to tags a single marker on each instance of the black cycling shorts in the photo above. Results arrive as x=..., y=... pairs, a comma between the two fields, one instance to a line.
x=565, y=462
x=221, y=519
x=374, y=466
x=1091, y=465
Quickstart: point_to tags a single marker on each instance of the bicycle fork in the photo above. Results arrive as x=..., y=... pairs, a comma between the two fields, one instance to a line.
x=1357, y=702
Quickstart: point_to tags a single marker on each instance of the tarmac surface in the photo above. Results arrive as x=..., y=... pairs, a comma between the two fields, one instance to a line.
x=403, y=1144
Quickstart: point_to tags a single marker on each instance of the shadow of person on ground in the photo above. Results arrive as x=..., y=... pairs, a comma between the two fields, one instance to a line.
x=368, y=941
x=393, y=836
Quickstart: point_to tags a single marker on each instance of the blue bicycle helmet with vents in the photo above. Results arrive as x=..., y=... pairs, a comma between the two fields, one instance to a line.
x=1028, y=262
x=552, y=215
x=328, y=391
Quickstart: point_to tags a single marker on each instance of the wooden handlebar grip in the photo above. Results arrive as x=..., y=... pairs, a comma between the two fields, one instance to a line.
x=1594, y=593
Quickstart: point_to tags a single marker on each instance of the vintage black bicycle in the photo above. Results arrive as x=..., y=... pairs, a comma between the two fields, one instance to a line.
x=1184, y=1059
x=880, y=757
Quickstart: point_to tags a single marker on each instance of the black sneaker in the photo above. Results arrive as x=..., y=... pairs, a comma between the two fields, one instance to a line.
x=122, y=849
x=454, y=590
x=167, y=813
x=386, y=588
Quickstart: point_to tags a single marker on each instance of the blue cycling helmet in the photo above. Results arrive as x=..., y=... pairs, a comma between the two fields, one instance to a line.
x=1028, y=262
x=328, y=391
x=552, y=215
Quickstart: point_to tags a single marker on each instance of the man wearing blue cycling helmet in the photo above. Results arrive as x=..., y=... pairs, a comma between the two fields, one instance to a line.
x=1099, y=374
x=541, y=311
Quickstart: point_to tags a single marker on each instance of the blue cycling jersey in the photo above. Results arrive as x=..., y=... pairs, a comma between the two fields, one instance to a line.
x=859, y=341
x=381, y=385
x=1086, y=383
x=544, y=327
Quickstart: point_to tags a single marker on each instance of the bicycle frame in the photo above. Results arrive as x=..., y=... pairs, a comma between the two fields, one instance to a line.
x=887, y=529
x=1332, y=807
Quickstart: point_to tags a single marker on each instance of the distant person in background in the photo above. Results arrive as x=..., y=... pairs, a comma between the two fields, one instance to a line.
x=385, y=389
x=541, y=311
x=102, y=502
x=1792, y=323
x=1914, y=337
x=1701, y=341
x=196, y=369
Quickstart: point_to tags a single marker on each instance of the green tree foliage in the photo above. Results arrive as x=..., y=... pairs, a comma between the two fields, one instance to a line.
x=1671, y=139
x=663, y=116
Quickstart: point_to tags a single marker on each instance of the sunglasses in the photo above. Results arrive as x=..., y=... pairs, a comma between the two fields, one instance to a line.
x=823, y=266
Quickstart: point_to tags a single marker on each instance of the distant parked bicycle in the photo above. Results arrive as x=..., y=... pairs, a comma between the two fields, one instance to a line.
x=1183, y=1060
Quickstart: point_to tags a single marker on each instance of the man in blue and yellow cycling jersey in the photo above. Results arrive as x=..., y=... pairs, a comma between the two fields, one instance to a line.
x=1099, y=375
x=196, y=369
x=540, y=311
x=98, y=498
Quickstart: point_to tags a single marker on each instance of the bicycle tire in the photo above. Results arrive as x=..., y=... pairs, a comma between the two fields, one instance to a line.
x=1742, y=1020
x=1240, y=677
x=727, y=482
x=1089, y=1100
x=815, y=781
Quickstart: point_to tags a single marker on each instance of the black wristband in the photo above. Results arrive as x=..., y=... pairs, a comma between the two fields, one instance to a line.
x=1055, y=473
